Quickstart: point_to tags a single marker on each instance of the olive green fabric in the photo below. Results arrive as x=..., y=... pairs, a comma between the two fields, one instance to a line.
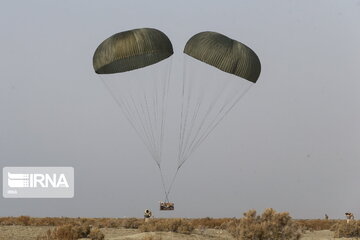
x=225, y=54
x=131, y=50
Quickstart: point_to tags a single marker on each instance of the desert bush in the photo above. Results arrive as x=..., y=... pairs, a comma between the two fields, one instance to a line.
x=109, y=223
x=113, y=223
x=60, y=221
x=72, y=232
x=208, y=222
x=347, y=230
x=45, y=236
x=6, y=221
x=185, y=228
x=316, y=224
x=82, y=231
x=66, y=232
x=132, y=223
x=29, y=221
x=45, y=222
x=24, y=220
x=150, y=226
x=96, y=234
x=168, y=225
x=269, y=225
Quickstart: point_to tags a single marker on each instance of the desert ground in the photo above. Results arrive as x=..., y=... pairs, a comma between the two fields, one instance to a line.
x=270, y=225
x=31, y=233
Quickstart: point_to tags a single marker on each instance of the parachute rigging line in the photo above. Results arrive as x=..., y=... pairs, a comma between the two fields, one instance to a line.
x=205, y=103
x=145, y=107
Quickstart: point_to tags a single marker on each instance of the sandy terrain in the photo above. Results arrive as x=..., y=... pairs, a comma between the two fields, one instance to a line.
x=319, y=235
x=20, y=232
x=30, y=233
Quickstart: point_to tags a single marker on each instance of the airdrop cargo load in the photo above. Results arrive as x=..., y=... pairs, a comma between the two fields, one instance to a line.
x=166, y=206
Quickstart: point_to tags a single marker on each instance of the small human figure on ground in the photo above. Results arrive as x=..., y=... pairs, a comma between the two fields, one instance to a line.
x=147, y=215
x=349, y=216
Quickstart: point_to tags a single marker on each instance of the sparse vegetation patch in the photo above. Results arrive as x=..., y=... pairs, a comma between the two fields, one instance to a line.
x=269, y=225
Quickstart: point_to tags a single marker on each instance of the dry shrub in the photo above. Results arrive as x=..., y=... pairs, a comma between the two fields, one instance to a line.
x=45, y=222
x=71, y=232
x=270, y=225
x=316, y=224
x=208, y=222
x=347, y=230
x=48, y=221
x=24, y=220
x=29, y=221
x=132, y=223
x=66, y=232
x=168, y=225
x=96, y=234
x=185, y=227
x=82, y=231
x=6, y=221
x=110, y=223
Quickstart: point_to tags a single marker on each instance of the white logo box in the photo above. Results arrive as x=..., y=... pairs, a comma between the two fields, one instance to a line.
x=38, y=182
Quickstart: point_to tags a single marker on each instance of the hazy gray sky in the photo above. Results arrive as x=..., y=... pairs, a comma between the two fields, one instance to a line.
x=291, y=143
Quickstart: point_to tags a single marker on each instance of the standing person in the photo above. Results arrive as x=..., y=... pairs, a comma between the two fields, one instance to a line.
x=147, y=215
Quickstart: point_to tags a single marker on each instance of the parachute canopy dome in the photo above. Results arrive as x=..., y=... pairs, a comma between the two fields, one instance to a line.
x=129, y=50
x=225, y=54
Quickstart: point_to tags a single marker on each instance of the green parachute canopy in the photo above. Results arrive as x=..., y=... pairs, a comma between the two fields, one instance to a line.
x=225, y=54
x=129, y=50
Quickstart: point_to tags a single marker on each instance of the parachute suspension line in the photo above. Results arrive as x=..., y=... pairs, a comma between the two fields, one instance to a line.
x=143, y=101
x=185, y=121
x=164, y=89
x=186, y=87
x=189, y=132
x=194, y=117
x=144, y=106
x=161, y=94
x=147, y=132
x=206, y=101
x=129, y=117
x=136, y=117
x=164, y=95
x=142, y=126
x=172, y=181
x=145, y=120
x=146, y=113
x=218, y=117
x=187, y=139
x=224, y=110
x=222, y=113
x=184, y=113
x=188, y=147
x=155, y=112
x=163, y=184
